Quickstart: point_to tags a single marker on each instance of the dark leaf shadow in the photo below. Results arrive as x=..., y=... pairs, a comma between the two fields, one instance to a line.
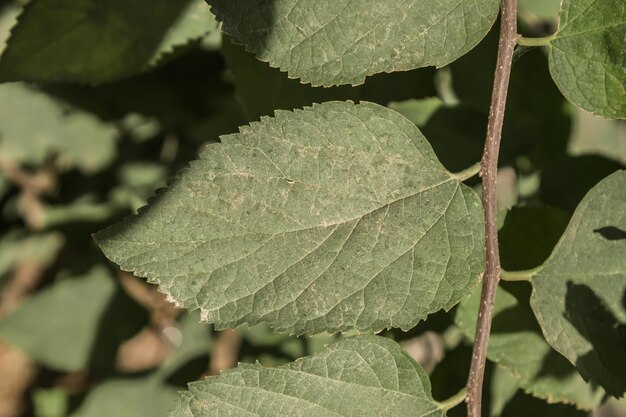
x=611, y=233
x=606, y=362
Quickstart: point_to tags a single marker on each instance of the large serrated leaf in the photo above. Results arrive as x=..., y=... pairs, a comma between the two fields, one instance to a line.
x=343, y=41
x=362, y=376
x=516, y=344
x=94, y=41
x=588, y=58
x=579, y=294
x=334, y=217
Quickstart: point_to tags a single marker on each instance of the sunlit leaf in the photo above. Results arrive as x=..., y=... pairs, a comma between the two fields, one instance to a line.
x=342, y=42
x=362, y=376
x=334, y=217
x=587, y=55
x=579, y=294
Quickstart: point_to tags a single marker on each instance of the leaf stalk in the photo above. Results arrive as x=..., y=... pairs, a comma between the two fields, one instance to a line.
x=545, y=41
x=468, y=173
x=491, y=277
x=526, y=275
x=453, y=401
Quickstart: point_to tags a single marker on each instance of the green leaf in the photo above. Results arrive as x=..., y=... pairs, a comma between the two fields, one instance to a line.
x=593, y=135
x=516, y=344
x=524, y=405
x=39, y=249
x=334, y=217
x=78, y=322
x=587, y=55
x=503, y=387
x=191, y=340
x=362, y=376
x=94, y=41
x=537, y=11
x=128, y=397
x=579, y=294
x=448, y=129
x=77, y=138
x=342, y=42
x=263, y=89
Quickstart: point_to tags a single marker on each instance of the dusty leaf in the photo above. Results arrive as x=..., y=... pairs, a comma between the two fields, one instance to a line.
x=362, y=376
x=516, y=344
x=342, y=42
x=588, y=58
x=579, y=294
x=334, y=217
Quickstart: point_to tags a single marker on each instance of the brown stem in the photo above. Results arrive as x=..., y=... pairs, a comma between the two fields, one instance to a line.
x=225, y=351
x=506, y=46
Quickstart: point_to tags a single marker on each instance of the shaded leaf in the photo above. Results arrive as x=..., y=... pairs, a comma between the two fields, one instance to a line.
x=78, y=322
x=334, y=217
x=542, y=10
x=516, y=343
x=503, y=387
x=448, y=129
x=263, y=89
x=536, y=124
x=364, y=376
x=524, y=405
x=77, y=138
x=587, y=55
x=579, y=294
x=190, y=339
x=528, y=236
x=598, y=136
x=344, y=41
x=128, y=397
x=54, y=39
x=567, y=180
x=18, y=247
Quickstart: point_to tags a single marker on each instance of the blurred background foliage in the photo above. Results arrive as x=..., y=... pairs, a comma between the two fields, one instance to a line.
x=80, y=338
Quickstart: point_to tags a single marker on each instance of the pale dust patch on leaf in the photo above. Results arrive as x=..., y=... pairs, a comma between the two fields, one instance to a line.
x=343, y=41
x=96, y=41
x=579, y=294
x=367, y=376
x=517, y=345
x=329, y=218
x=587, y=55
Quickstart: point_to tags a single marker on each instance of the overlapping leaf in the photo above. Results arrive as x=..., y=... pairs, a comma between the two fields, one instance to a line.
x=579, y=295
x=334, y=217
x=343, y=41
x=588, y=58
x=362, y=376
x=516, y=344
x=93, y=41
x=76, y=323
x=76, y=138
